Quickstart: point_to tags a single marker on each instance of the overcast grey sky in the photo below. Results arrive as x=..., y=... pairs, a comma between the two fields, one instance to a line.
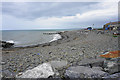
x=57, y=15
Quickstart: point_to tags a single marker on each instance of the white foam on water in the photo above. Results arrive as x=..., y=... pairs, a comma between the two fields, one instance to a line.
x=10, y=41
x=56, y=37
x=28, y=38
x=14, y=42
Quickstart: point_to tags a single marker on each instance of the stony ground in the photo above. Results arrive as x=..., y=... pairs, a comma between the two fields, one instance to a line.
x=74, y=47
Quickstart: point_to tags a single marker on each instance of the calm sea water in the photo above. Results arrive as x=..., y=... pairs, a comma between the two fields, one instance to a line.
x=28, y=37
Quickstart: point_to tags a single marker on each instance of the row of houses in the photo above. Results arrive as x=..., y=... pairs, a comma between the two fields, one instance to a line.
x=112, y=26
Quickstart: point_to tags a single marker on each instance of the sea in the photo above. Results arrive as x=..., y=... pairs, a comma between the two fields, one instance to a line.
x=22, y=38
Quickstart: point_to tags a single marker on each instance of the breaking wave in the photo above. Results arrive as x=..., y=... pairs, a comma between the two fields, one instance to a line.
x=56, y=37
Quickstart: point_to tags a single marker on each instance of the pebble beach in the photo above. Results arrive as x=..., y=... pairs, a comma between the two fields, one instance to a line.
x=73, y=47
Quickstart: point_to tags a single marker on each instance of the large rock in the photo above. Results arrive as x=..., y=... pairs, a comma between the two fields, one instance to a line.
x=58, y=67
x=42, y=71
x=5, y=44
x=92, y=62
x=7, y=74
x=112, y=65
x=84, y=72
x=116, y=75
x=58, y=64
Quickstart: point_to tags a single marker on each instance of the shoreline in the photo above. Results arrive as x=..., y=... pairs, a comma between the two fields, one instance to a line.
x=21, y=44
x=73, y=47
x=61, y=33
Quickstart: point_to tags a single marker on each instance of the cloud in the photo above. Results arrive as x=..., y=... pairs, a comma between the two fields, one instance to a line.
x=33, y=10
x=82, y=20
x=60, y=0
x=58, y=15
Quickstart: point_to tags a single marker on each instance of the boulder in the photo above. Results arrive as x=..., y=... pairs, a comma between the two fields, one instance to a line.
x=98, y=68
x=112, y=61
x=112, y=65
x=42, y=71
x=58, y=67
x=116, y=75
x=6, y=44
x=84, y=72
x=7, y=74
x=58, y=64
x=92, y=62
